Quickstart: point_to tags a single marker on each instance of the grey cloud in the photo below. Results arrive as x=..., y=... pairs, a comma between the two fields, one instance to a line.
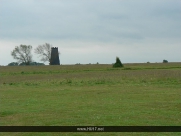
x=90, y=20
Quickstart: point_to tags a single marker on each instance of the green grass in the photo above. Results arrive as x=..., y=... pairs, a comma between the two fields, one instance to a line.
x=98, y=95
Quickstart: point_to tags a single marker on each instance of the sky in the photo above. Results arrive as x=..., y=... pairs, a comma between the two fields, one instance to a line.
x=91, y=31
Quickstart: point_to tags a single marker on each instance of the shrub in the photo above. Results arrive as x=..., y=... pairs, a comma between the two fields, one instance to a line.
x=118, y=63
x=13, y=64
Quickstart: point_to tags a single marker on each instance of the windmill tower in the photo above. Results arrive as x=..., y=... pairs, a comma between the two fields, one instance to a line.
x=54, y=56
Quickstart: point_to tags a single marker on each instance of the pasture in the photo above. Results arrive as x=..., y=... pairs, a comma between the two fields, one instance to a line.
x=91, y=95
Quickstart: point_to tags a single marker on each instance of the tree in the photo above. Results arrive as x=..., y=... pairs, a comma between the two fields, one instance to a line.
x=118, y=63
x=165, y=61
x=22, y=54
x=44, y=51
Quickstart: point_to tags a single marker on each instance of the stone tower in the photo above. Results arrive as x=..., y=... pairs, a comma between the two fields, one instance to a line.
x=54, y=56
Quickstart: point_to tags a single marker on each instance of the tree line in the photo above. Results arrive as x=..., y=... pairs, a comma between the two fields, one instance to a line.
x=23, y=54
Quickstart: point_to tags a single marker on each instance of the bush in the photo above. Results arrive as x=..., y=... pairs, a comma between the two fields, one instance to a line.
x=32, y=64
x=165, y=61
x=13, y=64
x=118, y=63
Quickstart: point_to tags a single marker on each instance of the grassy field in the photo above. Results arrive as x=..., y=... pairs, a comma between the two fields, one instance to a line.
x=91, y=95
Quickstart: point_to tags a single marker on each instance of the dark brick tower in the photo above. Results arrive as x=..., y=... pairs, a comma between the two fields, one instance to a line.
x=54, y=56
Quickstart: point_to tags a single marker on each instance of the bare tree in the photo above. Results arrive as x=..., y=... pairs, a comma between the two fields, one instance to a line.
x=44, y=51
x=22, y=54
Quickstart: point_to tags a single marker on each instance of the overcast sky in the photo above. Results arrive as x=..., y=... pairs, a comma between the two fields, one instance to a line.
x=91, y=31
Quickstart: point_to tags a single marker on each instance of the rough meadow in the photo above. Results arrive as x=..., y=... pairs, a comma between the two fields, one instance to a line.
x=91, y=95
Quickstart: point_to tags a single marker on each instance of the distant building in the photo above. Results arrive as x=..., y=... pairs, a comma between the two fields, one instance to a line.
x=54, y=56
